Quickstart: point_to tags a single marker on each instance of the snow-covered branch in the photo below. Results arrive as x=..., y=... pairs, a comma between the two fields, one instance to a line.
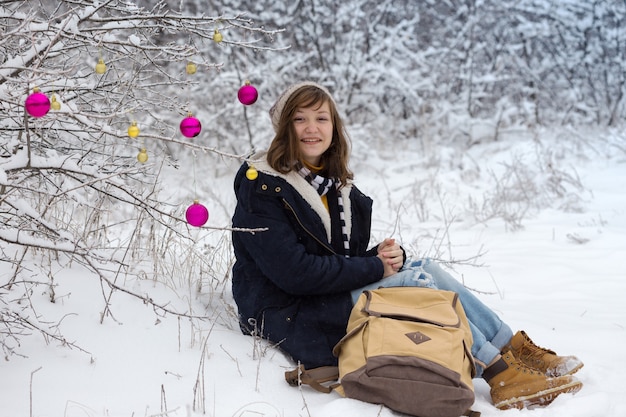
x=72, y=188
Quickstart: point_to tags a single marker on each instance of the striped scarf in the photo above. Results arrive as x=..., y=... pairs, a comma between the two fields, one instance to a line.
x=322, y=186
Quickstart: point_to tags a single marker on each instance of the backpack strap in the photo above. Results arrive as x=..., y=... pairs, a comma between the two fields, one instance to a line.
x=314, y=377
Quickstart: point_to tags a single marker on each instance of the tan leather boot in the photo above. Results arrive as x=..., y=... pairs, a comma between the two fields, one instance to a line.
x=515, y=385
x=541, y=359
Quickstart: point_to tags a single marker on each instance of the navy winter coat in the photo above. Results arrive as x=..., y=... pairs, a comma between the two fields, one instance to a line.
x=292, y=282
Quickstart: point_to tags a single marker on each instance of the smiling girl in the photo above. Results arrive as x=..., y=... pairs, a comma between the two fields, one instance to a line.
x=296, y=282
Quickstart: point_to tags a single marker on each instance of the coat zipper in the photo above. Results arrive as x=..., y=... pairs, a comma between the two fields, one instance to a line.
x=288, y=206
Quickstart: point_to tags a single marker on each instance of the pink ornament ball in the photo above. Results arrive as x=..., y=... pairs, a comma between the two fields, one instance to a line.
x=197, y=214
x=190, y=127
x=247, y=94
x=37, y=104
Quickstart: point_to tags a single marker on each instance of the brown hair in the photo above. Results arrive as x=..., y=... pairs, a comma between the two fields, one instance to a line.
x=284, y=150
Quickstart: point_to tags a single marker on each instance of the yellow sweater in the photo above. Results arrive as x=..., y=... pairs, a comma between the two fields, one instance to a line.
x=316, y=170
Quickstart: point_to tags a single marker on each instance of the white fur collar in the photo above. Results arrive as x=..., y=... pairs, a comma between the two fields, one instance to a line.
x=308, y=192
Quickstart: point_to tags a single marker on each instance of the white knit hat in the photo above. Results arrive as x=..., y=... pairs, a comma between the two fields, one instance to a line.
x=279, y=106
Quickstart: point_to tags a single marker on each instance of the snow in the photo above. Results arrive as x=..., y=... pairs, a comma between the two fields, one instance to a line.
x=560, y=277
x=134, y=40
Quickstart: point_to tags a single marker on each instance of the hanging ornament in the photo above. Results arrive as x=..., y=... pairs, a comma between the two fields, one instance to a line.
x=217, y=36
x=133, y=130
x=142, y=156
x=37, y=104
x=191, y=68
x=252, y=173
x=247, y=94
x=101, y=67
x=54, y=104
x=190, y=127
x=197, y=214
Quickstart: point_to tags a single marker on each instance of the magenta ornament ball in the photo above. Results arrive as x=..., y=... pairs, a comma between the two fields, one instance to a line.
x=197, y=214
x=247, y=94
x=190, y=127
x=37, y=104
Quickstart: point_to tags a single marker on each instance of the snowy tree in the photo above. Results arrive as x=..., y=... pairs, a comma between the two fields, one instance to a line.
x=80, y=183
x=416, y=69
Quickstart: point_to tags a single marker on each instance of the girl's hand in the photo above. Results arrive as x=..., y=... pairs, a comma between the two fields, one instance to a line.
x=392, y=256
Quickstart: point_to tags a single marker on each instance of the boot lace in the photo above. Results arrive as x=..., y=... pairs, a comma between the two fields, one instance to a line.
x=532, y=353
x=519, y=365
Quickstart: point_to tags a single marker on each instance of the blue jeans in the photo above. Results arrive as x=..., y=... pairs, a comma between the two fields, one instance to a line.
x=490, y=334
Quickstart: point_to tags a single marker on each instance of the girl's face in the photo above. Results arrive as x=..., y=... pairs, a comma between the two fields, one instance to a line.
x=314, y=131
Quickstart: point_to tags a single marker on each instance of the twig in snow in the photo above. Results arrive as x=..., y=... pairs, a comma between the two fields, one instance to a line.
x=31, y=390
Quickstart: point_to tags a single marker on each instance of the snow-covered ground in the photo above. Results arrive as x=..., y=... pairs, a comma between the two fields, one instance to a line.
x=555, y=269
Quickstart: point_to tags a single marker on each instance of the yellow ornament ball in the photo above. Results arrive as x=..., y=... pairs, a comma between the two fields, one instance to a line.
x=54, y=104
x=217, y=36
x=142, y=156
x=252, y=173
x=133, y=130
x=191, y=68
x=101, y=67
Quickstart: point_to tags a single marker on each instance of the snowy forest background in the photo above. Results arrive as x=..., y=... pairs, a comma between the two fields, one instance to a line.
x=432, y=79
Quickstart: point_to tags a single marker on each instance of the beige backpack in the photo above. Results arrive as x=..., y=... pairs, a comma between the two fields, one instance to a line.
x=408, y=348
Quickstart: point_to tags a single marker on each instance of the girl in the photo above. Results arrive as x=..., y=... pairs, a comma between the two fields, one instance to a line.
x=295, y=283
